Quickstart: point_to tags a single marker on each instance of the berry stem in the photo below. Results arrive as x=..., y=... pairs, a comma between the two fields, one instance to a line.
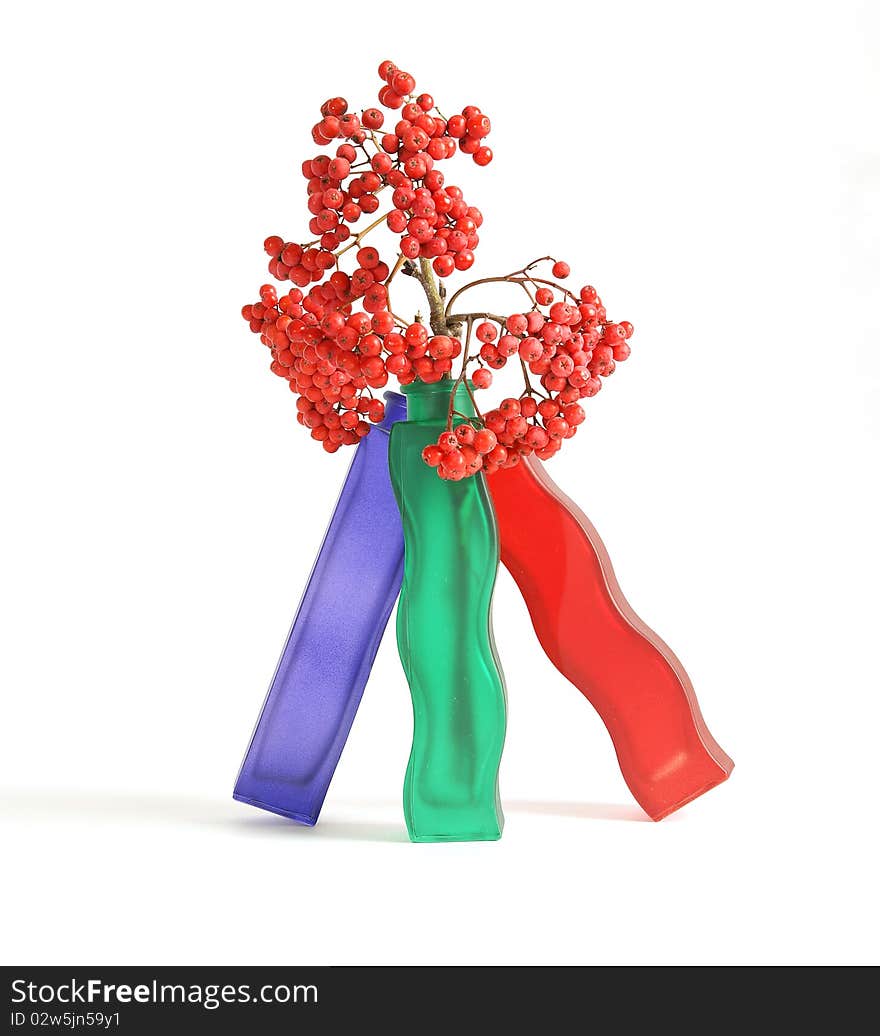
x=517, y=277
x=531, y=297
x=401, y=259
x=462, y=380
x=550, y=284
x=361, y=234
x=460, y=318
x=470, y=393
x=530, y=388
x=462, y=377
x=474, y=284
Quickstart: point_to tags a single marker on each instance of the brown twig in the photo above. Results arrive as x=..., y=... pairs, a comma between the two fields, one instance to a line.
x=460, y=318
x=462, y=377
x=361, y=234
x=530, y=388
x=440, y=324
x=520, y=277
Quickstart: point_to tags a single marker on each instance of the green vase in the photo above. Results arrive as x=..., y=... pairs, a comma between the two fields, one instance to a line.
x=444, y=633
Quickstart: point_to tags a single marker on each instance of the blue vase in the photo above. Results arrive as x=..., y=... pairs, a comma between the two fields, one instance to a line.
x=326, y=662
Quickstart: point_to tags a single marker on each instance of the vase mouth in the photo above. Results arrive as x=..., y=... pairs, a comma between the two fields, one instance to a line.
x=422, y=387
x=395, y=410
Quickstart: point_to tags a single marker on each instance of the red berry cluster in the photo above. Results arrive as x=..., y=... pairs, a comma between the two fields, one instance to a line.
x=433, y=218
x=417, y=354
x=337, y=121
x=334, y=337
x=569, y=344
x=330, y=360
x=469, y=129
x=331, y=356
x=465, y=451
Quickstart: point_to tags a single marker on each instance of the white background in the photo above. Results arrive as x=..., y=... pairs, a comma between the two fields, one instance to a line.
x=162, y=509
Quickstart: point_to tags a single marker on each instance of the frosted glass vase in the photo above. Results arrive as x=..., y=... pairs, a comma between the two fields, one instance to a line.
x=444, y=633
x=326, y=661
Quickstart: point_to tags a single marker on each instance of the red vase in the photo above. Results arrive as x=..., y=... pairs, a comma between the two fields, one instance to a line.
x=594, y=638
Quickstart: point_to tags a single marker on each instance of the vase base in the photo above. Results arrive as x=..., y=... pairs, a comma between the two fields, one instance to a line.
x=437, y=824
x=480, y=836
x=661, y=807
x=301, y=818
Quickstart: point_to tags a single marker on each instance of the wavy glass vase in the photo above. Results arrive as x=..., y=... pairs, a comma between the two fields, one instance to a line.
x=444, y=633
x=594, y=638
x=326, y=661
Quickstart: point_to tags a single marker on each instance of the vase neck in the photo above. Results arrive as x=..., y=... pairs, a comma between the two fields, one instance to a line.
x=395, y=410
x=431, y=402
